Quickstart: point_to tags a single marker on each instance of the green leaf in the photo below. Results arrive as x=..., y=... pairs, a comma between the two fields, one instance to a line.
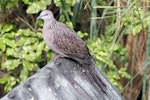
x=57, y=3
x=11, y=3
x=28, y=32
x=28, y=48
x=37, y=6
x=21, y=41
x=41, y=46
x=82, y=34
x=30, y=56
x=2, y=44
x=5, y=79
x=122, y=72
x=24, y=32
x=69, y=24
x=9, y=81
x=67, y=3
x=70, y=2
x=9, y=85
x=10, y=42
x=26, y=41
x=12, y=52
x=29, y=53
x=137, y=29
x=28, y=65
x=38, y=52
x=24, y=73
x=6, y=28
x=105, y=60
x=10, y=35
x=31, y=40
x=11, y=64
x=26, y=1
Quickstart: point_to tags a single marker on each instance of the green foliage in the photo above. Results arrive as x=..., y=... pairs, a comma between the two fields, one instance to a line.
x=7, y=3
x=2, y=44
x=135, y=20
x=36, y=6
x=9, y=81
x=65, y=5
x=82, y=34
x=20, y=50
x=68, y=23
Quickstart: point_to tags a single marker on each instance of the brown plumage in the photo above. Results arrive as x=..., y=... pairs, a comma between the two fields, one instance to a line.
x=66, y=43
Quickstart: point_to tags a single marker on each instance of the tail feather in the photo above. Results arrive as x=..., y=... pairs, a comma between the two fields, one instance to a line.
x=97, y=75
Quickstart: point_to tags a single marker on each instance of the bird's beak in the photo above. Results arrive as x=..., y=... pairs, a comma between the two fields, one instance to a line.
x=39, y=17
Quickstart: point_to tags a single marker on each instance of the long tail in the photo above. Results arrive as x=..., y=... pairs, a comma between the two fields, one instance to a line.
x=97, y=76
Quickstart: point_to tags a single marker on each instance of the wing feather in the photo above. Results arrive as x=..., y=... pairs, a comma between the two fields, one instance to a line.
x=67, y=42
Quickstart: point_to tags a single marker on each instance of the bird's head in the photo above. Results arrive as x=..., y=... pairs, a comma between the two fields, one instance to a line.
x=45, y=15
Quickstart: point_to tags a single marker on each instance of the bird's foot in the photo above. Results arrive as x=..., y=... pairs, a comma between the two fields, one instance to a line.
x=56, y=57
x=57, y=62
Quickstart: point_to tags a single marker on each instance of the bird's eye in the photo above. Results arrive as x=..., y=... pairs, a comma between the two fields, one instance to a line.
x=46, y=14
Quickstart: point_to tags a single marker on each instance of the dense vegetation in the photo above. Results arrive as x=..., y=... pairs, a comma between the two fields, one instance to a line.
x=116, y=33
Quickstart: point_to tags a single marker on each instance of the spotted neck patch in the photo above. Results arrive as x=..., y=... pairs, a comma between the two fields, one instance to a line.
x=52, y=24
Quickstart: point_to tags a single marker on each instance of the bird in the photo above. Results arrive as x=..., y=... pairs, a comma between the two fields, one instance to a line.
x=64, y=41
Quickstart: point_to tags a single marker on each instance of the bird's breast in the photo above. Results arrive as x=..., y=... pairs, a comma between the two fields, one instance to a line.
x=48, y=38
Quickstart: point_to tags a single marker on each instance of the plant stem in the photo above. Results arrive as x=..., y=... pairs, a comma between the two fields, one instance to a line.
x=146, y=61
x=75, y=12
x=64, y=10
x=93, y=28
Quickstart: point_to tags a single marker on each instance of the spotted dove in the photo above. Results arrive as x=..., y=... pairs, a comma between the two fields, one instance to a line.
x=66, y=43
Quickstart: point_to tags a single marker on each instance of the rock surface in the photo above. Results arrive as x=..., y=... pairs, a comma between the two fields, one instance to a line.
x=62, y=79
